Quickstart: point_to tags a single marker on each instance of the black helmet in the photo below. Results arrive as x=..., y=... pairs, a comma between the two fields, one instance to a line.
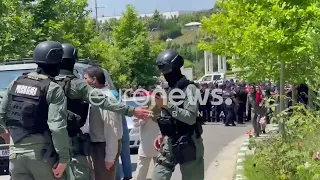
x=48, y=52
x=169, y=59
x=69, y=52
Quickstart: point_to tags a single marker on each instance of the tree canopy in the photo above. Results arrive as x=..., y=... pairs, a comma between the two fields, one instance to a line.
x=263, y=33
x=122, y=46
x=125, y=46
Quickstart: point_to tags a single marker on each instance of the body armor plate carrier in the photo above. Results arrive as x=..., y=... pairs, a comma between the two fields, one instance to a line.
x=180, y=133
x=77, y=108
x=173, y=128
x=27, y=111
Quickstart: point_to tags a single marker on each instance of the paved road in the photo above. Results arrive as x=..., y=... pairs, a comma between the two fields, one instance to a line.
x=215, y=137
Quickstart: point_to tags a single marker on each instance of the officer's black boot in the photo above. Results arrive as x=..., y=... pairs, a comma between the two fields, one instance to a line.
x=240, y=113
x=209, y=113
x=217, y=113
x=233, y=118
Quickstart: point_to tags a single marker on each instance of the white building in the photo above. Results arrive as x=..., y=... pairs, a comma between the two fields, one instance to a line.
x=167, y=15
x=193, y=25
x=222, y=63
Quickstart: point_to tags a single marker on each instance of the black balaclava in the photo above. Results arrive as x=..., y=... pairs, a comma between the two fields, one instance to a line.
x=67, y=64
x=48, y=69
x=173, y=77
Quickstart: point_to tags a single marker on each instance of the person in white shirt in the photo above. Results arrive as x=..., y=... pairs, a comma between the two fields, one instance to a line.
x=149, y=131
x=105, y=129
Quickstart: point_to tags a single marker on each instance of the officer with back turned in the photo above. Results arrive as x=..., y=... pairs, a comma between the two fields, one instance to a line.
x=219, y=113
x=34, y=112
x=79, y=94
x=241, y=97
x=179, y=125
x=229, y=106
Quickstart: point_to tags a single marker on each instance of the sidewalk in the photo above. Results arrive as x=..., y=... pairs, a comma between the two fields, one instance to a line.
x=224, y=165
x=228, y=163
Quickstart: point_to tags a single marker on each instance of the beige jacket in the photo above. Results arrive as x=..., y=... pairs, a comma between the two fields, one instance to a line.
x=105, y=126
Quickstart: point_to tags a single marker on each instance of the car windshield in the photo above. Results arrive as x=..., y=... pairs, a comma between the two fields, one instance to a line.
x=8, y=76
x=216, y=77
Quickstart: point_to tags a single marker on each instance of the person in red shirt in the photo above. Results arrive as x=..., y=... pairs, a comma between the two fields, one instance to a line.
x=258, y=95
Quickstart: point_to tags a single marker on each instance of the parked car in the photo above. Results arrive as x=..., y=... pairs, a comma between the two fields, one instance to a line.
x=212, y=78
x=133, y=131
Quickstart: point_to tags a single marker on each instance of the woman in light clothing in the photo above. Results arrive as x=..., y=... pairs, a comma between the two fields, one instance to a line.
x=149, y=130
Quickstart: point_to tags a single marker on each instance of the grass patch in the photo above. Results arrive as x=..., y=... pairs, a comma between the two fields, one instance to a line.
x=253, y=171
x=188, y=36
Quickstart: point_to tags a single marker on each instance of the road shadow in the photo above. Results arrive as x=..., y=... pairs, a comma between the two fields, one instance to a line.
x=133, y=166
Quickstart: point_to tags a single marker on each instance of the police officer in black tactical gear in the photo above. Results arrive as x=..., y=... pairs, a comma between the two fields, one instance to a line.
x=34, y=113
x=229, y=106
x=241, y=97
x=219, y=113
x=179, y=124
x=77, y=114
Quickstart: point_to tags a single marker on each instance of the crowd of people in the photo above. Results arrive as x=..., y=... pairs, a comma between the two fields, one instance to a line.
x=249, y=102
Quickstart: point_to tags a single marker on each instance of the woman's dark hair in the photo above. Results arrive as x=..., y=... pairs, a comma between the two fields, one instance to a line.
x=96, y=72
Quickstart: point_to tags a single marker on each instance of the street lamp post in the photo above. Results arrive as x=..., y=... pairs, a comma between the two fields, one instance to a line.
x=96, y=7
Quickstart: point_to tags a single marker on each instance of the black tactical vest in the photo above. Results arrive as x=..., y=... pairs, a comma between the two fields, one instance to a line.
x=173, y=128
x=27, y=111
x=228, y=95
x=77, y=108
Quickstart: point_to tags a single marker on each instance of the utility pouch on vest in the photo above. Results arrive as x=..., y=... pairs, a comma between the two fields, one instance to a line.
x=86, y=143
x=184, y=150
x=80, y=144
x=17, y=133
x=74, y=122
x=166, y=126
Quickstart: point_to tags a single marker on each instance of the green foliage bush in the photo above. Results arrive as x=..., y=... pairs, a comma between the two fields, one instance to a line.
x=172, y=33
x=289, y=157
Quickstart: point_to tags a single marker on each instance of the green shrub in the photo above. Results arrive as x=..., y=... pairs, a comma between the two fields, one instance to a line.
x=255, y=171
x=289, y=157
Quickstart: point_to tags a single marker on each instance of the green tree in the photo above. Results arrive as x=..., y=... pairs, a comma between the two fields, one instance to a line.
x=24, y=23
x=130, y=37
x=16, y=36
x=264, y=33
x=156, y=21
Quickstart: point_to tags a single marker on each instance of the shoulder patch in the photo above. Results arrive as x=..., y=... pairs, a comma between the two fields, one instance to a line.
x=59, y=78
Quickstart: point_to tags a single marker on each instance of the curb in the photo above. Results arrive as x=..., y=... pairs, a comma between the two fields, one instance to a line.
x=244, y=150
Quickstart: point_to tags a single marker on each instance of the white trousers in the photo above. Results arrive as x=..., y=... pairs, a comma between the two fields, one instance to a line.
x=143, y=167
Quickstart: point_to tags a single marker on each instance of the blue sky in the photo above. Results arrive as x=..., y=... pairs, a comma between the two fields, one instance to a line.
x=116, y=7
